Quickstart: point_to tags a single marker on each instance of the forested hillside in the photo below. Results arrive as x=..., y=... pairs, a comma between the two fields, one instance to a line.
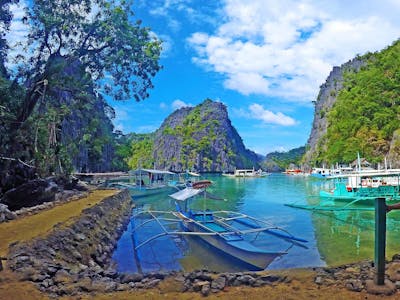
x=364, y=116
x=280, y=161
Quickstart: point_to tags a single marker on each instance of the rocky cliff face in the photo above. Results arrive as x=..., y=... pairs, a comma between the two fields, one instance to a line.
x=325, y=100
x=85, y=130
x=201, y=138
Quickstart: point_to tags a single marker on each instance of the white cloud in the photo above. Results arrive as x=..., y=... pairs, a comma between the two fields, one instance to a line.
x=18, y=32
x=256, y=111
x=146, y=128
x=177, y=104
x=119, y=127
x=287, y=48
x=163, y=105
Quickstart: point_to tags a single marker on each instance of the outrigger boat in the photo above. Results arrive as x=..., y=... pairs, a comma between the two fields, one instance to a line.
x=361, y=187
x=184, y=180
x=145, y=182
x=224, y=230
x=247, y=173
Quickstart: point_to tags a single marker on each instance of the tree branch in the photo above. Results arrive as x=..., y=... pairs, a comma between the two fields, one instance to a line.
x=14, y=159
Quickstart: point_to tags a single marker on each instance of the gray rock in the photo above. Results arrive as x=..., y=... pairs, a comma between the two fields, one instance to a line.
x=136, y=285
x=318, y=280
x=205, y=290
x=270, y=278
x=354, y=285
x=245, y=279
x=77, y=255
x=79, y=237
x=198, y=285
x=62, y=277
x=10, y=215
x=123, y=287
x=47, y=283
x=218, y=284
x=152, y=283
x=126, y=278
x=23, y=259
x=111, y=273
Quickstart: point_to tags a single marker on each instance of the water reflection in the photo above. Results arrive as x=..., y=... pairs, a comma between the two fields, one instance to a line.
x=334, y=237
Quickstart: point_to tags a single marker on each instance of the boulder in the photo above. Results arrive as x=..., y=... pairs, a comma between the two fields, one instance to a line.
x=29, y=194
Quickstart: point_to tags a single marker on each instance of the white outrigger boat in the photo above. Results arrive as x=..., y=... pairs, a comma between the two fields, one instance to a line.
x=224, y=230
x=245, y=173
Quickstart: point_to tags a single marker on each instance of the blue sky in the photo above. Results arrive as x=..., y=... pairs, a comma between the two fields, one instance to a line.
x=264, y=59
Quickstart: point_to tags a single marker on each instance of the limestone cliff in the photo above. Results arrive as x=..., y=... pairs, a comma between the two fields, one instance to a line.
x=326, y=98
x=201, y=138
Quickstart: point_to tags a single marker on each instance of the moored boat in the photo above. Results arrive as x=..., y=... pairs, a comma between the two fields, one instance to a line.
x=245, y=173
x=365, y=186
x=232, y=233
x=145, y=182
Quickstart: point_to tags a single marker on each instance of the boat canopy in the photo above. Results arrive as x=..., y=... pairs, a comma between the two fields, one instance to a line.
x=186, y=194
x=370, y=173
x=193, y=174
x=151, y=171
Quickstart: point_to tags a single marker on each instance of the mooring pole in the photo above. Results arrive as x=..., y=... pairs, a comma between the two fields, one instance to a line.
x=380, y=240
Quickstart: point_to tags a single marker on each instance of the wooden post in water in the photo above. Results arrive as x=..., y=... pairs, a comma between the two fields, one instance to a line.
x=380, y=240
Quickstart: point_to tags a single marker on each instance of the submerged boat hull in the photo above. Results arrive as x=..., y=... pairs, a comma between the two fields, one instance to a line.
x=233, y=245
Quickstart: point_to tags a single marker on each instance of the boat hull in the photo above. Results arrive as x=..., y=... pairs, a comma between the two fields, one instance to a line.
x=364, y=194
x=235, y=247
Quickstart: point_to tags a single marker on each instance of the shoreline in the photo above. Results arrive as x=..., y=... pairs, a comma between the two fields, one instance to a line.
x=86, y=270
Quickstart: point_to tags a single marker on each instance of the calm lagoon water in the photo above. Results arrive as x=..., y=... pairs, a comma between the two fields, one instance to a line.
x=333, y=237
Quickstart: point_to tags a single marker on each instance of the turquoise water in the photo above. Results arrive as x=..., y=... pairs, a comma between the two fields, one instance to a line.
x=333, y=237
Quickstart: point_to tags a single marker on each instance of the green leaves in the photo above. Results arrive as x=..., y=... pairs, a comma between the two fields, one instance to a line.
x=366, y=112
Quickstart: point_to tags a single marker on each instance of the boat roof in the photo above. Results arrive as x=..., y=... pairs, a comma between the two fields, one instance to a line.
x=152, y=171
x=193, y=174
x=370, y=173
x=186, y=193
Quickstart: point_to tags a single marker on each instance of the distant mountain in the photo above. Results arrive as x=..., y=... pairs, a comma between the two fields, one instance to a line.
x=357, y=110
x=280, y=161
x=199, y=138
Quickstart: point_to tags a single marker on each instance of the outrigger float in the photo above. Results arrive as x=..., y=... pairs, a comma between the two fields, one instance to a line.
x=224, y=230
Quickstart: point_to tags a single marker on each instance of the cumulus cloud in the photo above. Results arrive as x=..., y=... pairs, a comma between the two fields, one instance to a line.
x=177, y=104
x=258, y=112
x=287, y=48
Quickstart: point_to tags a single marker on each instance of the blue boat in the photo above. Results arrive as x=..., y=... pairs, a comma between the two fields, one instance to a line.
x=224, y=230
x=363, y=186
x=357, y=188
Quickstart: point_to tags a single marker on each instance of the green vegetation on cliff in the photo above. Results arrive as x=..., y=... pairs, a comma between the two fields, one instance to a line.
x=279, y=161
x=141, y=151
x=366, y=112
x=194, y=143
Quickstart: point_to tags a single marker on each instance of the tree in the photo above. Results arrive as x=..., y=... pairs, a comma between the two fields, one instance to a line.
x=5, y=21
x=121, y=57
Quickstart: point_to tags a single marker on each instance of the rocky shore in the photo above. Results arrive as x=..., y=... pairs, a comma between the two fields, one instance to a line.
x=75, y=259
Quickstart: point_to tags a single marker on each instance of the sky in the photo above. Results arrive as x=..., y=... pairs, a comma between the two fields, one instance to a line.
x=264, y=59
